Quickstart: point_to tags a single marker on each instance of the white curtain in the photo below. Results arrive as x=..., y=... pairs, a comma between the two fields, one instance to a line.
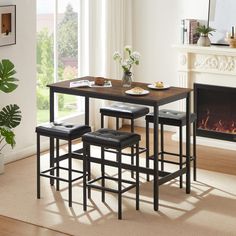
x=106, y=27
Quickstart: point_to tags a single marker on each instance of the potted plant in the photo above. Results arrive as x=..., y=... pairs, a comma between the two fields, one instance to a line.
x=10, y=115
x=204, y=31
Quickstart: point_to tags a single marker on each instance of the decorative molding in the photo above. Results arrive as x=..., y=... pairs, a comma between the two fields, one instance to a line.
x=219, y=63
x=212, y=50
x=182, y=59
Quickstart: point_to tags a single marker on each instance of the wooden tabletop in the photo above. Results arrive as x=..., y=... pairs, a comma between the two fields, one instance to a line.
x=117, y=92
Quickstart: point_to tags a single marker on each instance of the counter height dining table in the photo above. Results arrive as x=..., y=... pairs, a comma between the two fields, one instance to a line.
x=154, y=99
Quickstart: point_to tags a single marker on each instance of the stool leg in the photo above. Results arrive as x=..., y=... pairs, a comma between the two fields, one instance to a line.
x=147, y=148
x=194, y=152
x=132, y=148
x=103, y=173
x=38, y=166
x=84, y=176
x=52, y=160
x=102, y=121
x=70, y=172
x=89, y=170
x=117, y=127
x=119, y=186
x=180, y=156
x=137, y=176
x=57, y=163
x=117, y=123
x=162, y=147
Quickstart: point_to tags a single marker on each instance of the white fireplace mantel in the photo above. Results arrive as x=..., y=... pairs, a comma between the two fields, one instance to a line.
x=216, y=61
x=214, y=65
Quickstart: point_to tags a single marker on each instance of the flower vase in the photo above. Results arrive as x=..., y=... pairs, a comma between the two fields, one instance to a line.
x=127, y=79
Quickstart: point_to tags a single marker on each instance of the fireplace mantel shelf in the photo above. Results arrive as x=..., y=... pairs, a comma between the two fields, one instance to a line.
x=213, y=60
x=215, y=50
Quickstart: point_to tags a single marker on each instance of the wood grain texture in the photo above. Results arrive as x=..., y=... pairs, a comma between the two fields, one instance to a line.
x=12, y=227
x=117, y=92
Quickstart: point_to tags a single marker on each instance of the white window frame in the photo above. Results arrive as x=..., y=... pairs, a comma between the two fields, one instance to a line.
x=78, y=116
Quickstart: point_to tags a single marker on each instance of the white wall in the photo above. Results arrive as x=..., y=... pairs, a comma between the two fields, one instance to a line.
x=23, y=55
x=193, y=9
x=156, y=27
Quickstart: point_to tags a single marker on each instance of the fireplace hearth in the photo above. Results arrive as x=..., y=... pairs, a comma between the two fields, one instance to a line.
x=215, y=107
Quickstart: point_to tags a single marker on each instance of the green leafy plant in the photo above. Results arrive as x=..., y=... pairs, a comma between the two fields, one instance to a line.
x=204, y=30
x=10, y=115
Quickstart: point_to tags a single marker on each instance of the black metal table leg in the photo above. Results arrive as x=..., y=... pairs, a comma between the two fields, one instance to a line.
x=194, y=152
x=86, y=110
x=103, y=173
x=84, y=176
x=180, y=155
x=188, y=175
x=137, y=176
x=51, y=139
x=88, y=146
x=155, y=160
x=147, y=148
x=57, y=164
x=162, y=147
x=119, y=186
x=70, y=172
x=132, y=148
x=38, y=166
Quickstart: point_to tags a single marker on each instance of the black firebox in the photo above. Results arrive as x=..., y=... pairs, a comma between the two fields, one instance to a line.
x=215, y=107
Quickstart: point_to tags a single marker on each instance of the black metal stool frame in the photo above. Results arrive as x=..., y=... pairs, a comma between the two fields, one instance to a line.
x=57, y=160
x=87, y=162
x=140, y=150
x=180, y=154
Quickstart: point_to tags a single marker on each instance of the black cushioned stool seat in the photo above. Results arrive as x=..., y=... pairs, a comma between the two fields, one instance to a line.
x=111, y=138
x=108, y=138
x=124, y=111
x=65, y=132
x=172, y=118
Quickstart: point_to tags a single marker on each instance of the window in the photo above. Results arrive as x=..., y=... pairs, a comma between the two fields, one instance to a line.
x=57, y=55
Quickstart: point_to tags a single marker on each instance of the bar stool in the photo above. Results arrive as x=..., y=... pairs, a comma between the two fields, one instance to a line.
x=172, y=118
x=108, y=138
x=125, y=111
x=64, y=132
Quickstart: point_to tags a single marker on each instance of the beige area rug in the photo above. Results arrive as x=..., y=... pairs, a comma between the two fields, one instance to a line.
x=210, y=209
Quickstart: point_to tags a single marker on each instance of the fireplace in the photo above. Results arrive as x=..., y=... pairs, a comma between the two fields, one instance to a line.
x=215, y=107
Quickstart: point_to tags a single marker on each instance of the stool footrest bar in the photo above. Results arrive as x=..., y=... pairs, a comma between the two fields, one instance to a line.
x=90, y=184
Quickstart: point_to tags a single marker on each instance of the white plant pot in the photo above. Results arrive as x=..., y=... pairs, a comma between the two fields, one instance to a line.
x=2, y=163
x=204, y=41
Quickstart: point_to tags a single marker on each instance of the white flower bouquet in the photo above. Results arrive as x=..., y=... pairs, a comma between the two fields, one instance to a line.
x=126, y=63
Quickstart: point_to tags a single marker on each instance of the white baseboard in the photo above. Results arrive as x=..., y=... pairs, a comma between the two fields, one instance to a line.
x=216, y=143
x=31, y=150
x=25, y=152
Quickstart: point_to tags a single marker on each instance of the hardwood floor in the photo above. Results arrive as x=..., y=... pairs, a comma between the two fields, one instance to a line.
x=213, y=159
x=208, y=158
x=11, y=227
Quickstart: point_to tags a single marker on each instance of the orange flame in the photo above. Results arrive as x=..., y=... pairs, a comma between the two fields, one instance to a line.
x=218, y=126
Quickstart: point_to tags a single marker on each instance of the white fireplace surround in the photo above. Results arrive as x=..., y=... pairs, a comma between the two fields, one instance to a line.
x=215, y=65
